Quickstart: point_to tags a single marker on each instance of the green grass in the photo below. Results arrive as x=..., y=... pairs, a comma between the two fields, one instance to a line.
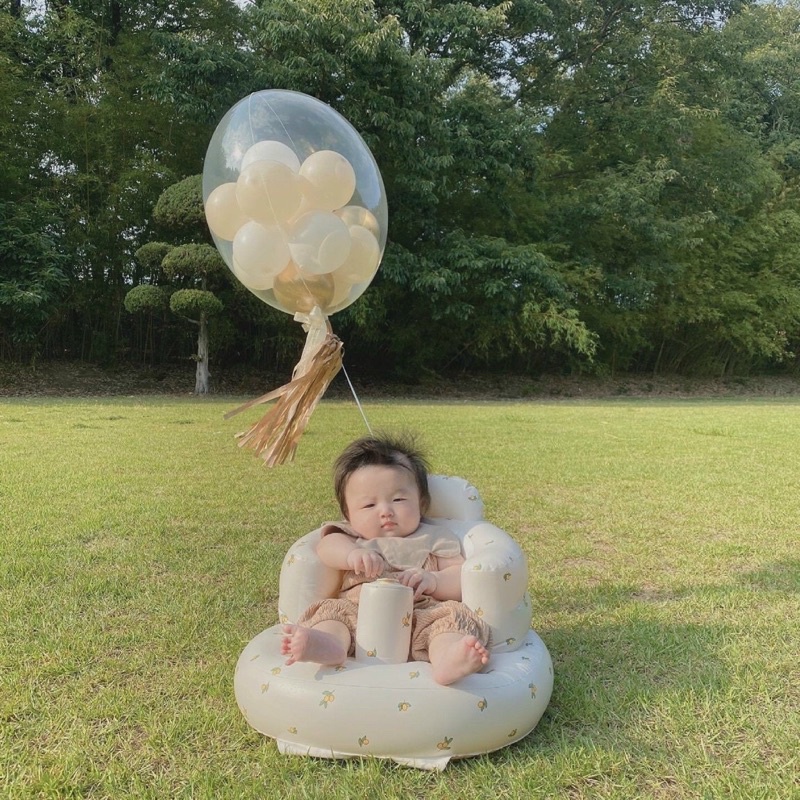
x=140, y=550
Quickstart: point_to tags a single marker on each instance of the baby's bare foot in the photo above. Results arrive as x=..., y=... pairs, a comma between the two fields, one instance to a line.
x=307, y=644
x=457, y=659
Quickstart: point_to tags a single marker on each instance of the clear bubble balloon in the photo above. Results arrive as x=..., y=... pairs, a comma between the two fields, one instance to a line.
x=284, y=161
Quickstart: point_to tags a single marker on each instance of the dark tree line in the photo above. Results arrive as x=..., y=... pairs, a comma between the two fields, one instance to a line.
x=572, y=185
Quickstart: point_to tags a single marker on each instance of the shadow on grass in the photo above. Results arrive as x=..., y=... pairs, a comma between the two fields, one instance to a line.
x=633, y=658
x=614, y=683
x=608, y=675
x=780, y=576
x=627, y=654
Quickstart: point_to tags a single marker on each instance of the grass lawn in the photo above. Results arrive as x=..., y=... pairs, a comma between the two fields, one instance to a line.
x=140, y=551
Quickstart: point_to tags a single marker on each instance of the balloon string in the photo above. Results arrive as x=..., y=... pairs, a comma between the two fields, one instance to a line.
x=358, y=402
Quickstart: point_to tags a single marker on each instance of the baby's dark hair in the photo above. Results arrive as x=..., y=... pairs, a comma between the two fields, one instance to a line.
x=381, y=450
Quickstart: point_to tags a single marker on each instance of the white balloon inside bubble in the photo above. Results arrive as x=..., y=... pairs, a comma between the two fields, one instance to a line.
x=256, y=283
x=358, y=215
x=364, y=256
x=270, y=150
x=342, y=289
x=319, y=242
x=259, y=254
x=268, y=191
x=223, y=214
x=331, y=178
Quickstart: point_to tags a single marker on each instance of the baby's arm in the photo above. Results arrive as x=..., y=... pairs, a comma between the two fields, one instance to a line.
x=444, y=584
x=448, y=579
x=340, y=551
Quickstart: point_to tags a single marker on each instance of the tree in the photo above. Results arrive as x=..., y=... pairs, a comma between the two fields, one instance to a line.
x=188, y=269
x=33, y=266
x=32, y=277
x=147, y=301
x=190, y=266
x=737, y=309
x=175, y=266
x=91, y=130
x=657, y=169
x=149, y=298
x=196, y=262
x=419, y=81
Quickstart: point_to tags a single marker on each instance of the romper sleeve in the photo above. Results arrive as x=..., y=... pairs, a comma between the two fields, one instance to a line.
x=337, y=527
x=443, y=542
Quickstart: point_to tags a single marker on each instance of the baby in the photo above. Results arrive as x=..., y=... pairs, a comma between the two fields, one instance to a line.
x=381, y=485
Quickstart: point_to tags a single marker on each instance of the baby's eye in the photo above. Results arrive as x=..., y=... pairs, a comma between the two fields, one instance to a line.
x=399, y=499
x=368, y=505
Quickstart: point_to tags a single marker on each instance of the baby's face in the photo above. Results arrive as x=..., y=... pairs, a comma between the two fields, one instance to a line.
x=382, y=502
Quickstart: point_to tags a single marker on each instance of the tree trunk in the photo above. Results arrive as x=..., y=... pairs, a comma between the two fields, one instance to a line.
x=116, y=20
x=202, y=375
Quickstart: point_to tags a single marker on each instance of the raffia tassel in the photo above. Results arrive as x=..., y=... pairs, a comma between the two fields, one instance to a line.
x=276, y=435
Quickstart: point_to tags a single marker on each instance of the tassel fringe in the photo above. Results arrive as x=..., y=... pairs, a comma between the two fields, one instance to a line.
x=276, y=435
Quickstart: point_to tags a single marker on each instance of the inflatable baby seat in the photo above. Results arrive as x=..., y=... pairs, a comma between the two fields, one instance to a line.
x=369, y=707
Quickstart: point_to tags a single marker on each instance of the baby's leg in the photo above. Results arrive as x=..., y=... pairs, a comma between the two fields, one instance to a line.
x=454, y=656
x=326, y=643
x=453, y=638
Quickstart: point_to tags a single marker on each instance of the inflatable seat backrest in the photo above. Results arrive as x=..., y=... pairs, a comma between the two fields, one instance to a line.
x=494, y=577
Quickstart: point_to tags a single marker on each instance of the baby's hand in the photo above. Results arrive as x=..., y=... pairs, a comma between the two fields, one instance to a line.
x=420, y=580
x=366, y=562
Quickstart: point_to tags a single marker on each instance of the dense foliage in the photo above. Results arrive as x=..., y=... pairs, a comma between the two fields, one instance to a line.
x=572, y=185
